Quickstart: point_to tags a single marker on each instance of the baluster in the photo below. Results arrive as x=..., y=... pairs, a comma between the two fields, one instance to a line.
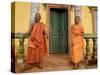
x=20, y=60
x=21, y=47
x=87, y=50
x=94, y=48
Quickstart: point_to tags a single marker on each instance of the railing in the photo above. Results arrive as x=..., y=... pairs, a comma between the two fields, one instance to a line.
x=87, y=38
x=21, y=38
x=93, y=59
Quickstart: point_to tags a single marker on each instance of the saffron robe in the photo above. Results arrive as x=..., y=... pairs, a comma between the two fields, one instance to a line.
x=77, y=43
x=37, y=44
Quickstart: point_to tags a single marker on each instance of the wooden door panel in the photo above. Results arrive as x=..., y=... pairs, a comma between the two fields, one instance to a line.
x=58, y=31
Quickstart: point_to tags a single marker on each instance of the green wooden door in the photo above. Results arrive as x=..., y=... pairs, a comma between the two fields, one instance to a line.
x=58, y=42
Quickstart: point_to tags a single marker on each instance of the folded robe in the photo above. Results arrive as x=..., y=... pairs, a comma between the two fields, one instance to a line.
x=37, y=44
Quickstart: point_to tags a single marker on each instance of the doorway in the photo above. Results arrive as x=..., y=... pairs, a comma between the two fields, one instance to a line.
x=58, y=42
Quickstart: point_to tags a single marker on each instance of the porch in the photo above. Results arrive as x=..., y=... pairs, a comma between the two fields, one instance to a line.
x=58, y=62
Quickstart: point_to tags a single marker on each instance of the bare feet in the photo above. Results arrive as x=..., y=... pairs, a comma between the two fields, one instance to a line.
x=27, y=67
x=40, y=65
x=76, y=66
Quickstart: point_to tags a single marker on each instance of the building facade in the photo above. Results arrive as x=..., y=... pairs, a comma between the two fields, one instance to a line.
x=58, y=19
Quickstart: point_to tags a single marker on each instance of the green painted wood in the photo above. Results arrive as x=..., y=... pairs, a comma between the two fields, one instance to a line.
x=58, y=31
x=21, y=43
x=89, y=35
x=64, y=33
x=94, y=48
x=20, y=59
x=87, y=48
x=94, y=38
x=54, y=40
x=18, y=35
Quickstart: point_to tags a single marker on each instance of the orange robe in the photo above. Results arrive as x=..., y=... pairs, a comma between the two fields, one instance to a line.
x=77, y=43
x=37, y=44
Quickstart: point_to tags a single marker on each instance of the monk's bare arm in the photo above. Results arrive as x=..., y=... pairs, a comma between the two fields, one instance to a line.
x=45, y=32
x=29, y=31
x=82, y=30
x=72, y=35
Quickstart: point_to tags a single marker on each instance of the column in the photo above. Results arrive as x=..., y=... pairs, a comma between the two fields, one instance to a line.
x=77, y=11
x=34, y=10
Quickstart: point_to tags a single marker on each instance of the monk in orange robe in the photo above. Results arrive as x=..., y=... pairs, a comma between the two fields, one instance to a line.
x=37, y=43
x=77, y=42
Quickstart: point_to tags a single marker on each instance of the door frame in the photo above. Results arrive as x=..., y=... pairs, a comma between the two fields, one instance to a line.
x=68, y=7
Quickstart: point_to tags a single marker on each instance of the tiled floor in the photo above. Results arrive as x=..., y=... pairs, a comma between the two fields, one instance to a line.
x=57, y=62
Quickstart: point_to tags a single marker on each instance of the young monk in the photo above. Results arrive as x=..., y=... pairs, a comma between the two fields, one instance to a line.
x=77, y=42
x=37, y=43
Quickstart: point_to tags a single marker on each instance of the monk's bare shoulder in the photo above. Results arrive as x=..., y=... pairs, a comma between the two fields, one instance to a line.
x=73, y=26
x=43, y=25
x=81, y=26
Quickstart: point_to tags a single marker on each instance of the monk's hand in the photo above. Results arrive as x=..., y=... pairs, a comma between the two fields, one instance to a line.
x=24, y=34
x=72, y=44
x=76, y=34
x=47, y=37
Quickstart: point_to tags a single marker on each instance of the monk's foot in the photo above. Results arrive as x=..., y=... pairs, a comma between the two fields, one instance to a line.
x=40, y=66
x=75, y=66
x=27, y=67
x=78, y=65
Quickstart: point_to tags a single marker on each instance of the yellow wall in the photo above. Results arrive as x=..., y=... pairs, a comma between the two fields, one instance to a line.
x=43, y=12
x=86, y=19
x=45, y=19
x=22, y=16
x=72, y=17
x=87, y=23
x=22, y=20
